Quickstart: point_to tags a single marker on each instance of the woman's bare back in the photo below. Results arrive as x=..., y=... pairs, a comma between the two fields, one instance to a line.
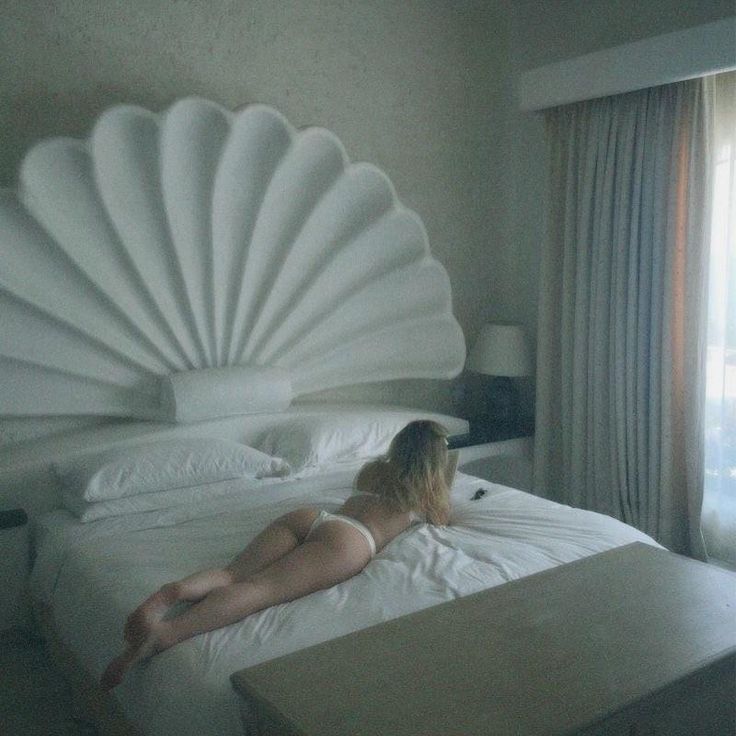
x=383, y=523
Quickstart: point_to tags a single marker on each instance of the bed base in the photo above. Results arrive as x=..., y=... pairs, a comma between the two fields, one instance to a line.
x=89, y=702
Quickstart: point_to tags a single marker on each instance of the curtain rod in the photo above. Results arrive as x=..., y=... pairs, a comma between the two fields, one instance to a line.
x=670, y=57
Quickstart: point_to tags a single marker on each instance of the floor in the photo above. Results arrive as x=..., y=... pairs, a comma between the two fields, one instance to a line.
x=34, y=700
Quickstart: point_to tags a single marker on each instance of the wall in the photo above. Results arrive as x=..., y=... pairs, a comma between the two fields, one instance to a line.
x=423, y=88
x=413, y=86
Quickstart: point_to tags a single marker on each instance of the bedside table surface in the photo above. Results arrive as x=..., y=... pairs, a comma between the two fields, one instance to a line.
x=519, y=447
x=480, y=433
x=548, y=654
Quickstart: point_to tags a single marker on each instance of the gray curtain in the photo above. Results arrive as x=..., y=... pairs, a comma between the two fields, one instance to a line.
x=620, y=381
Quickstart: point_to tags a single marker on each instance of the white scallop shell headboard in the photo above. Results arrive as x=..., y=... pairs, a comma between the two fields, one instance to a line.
x=202, y=238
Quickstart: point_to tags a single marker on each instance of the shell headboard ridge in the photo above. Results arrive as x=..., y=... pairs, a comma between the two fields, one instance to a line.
x=201, y=239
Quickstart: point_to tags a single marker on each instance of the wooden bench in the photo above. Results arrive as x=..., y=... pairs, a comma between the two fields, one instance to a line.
x=632, y=641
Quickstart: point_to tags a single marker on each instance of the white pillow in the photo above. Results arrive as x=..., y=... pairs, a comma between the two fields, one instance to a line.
x=318, y=441
x=157, y=501
x=162, y=465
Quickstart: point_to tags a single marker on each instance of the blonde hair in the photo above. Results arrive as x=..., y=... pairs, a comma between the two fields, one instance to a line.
x=416, y=465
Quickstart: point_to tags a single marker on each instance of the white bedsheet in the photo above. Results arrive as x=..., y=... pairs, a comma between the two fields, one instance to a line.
x=94, y=574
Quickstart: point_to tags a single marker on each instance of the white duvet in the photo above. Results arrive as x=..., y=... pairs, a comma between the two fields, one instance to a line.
x=94, y=574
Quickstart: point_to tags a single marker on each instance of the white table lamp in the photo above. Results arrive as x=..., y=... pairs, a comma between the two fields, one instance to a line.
x=501, y=351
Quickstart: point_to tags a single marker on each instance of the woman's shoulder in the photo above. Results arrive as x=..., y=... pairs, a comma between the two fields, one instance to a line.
x=377, y=465
x=372, y=473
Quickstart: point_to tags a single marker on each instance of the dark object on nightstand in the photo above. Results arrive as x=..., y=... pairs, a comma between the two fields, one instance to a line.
x=13, y=518
x=503, y=398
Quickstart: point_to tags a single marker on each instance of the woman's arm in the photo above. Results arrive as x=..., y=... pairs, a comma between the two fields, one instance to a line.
x=439, y=518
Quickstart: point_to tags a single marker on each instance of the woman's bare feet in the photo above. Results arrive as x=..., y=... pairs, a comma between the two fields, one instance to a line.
x=117, y=669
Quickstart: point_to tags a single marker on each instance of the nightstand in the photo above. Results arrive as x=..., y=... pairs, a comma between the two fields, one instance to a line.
x=14, y=567
x=499, y=453
x=483, y=430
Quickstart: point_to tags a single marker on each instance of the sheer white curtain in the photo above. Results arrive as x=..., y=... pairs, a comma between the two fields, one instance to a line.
x=719, y=505
x=620, y=380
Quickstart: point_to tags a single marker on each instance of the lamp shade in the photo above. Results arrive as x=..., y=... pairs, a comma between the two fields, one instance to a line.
x=500, y=350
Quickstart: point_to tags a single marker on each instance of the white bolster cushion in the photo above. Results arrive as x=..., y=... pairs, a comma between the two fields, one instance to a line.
x=210, y=393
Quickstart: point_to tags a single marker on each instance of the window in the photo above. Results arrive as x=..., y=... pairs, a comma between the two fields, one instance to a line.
x=719, y=505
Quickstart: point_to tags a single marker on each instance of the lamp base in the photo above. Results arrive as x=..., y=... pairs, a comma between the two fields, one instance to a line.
x=495, y=411
x=502, y=400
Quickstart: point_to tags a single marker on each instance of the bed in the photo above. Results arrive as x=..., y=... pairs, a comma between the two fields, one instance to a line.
x=199, y=287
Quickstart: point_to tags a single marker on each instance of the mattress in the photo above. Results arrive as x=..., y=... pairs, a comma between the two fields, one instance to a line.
x=92, y=575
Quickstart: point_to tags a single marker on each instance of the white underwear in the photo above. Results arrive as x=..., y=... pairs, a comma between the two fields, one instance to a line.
x=325, y=516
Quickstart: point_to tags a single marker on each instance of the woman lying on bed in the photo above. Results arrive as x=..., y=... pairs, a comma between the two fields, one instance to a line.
x=303, y=551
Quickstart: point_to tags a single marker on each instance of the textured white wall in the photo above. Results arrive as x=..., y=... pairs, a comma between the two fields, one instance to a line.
x=415, y=87
x=422, y=88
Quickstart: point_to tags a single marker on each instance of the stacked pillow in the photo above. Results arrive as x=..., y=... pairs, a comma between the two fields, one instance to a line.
x=314, y=444
x=157, y=474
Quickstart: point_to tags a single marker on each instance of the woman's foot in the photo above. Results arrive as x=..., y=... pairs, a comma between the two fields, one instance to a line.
x=117, y=669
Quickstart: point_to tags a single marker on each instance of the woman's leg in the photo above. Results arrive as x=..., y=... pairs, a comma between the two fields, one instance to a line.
x=276, y=540
x=335, y=553
x=154, y=608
